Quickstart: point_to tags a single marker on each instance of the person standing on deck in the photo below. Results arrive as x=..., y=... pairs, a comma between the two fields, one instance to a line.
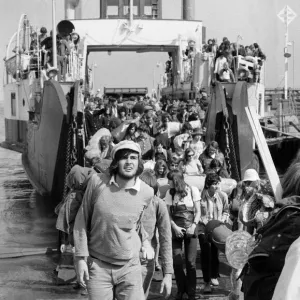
x=107, y=244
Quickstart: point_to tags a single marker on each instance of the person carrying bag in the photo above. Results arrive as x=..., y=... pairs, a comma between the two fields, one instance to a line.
x=183, y=202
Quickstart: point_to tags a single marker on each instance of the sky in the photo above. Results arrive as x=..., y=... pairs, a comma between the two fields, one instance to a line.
x=255, y=21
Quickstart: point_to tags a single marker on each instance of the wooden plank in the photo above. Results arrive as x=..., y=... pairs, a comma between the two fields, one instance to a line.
x=245, y=135
x=264, y=152
x=263, y=144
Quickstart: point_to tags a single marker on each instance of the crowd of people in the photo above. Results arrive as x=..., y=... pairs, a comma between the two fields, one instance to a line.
x=227, y=64
x=41, y=52
x=231, y=61
x=163, y=193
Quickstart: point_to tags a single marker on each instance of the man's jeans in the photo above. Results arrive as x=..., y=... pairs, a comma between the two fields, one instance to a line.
x=108, y=282
x=185, y=283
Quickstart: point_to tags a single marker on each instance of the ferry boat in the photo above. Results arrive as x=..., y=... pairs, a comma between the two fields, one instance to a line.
x=46, y=116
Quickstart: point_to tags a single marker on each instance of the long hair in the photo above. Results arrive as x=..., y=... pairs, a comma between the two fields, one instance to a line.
x=179, y=184
x=186, y=127
x=210, y=179
x=149, y=178
x=130, y=126
x=161, y=163
x=212, y=144
x=121, y=154
x=291, y=181
x=186, y=153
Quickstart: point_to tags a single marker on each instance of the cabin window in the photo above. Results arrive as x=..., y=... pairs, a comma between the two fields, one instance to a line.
x=113, y=8
x=148, y=8
x=127, y=6
x=13, y=104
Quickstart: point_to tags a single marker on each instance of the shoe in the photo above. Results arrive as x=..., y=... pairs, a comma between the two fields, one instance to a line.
x=207, y=288
x=214, y=281
x=84, y=292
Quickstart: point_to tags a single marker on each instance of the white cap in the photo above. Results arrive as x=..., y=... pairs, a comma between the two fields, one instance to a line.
x=126, y=145
x=251, y=175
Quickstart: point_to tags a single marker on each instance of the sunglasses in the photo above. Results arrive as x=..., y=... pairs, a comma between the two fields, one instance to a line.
x=190, y=155
x=173, y=165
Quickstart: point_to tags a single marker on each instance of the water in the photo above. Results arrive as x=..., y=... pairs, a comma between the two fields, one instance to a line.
x=28, y=237
x=26, y=219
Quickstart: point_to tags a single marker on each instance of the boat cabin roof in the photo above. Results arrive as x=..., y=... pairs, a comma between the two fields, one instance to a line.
x=140, y=36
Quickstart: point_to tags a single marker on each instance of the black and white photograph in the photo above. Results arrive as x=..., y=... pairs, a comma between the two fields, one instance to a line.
x=150, y=149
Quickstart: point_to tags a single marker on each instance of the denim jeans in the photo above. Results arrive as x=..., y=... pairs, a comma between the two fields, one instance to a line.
x=185, y=282
x=108, y=282
x=209, y=259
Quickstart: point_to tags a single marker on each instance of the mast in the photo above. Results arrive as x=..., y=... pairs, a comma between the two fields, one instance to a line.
x=54, y=47
x=70, y=9
x=188, y=10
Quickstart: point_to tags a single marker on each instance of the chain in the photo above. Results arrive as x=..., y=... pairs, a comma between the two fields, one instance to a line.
x=227, y=146
x=235, y=174
x=68, y=153
x=230, y=155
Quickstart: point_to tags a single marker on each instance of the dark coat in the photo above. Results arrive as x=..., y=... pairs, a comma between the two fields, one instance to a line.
x=266, y=261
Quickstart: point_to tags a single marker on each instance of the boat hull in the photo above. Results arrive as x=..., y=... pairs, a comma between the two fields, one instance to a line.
x=45, y=155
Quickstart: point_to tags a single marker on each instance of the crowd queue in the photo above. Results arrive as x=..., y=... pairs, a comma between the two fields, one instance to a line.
x=142, y=214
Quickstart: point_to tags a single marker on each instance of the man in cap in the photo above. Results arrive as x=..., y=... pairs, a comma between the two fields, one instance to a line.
x=106, y=239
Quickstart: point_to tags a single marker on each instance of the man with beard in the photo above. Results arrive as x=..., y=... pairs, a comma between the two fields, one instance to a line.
x=107, y=242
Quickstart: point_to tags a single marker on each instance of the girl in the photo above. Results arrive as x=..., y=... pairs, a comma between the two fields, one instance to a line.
x=190, y=166
x=131, y=132
x=183, y=203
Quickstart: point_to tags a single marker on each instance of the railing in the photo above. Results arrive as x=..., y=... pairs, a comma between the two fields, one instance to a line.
x=73, y=66
x=188, y=69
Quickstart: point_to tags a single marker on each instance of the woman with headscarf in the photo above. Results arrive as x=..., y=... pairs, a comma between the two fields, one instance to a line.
x=105, y=147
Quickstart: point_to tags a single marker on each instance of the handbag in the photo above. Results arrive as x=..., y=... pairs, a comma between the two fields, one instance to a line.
x=183, y=217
